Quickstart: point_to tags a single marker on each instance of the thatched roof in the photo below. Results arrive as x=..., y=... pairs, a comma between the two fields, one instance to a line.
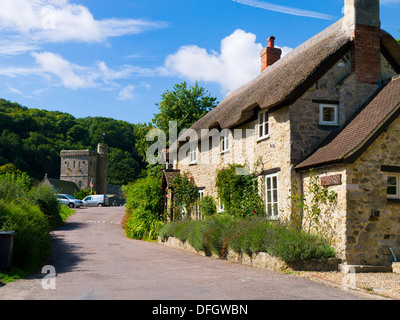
x=355, y=137
x=285, y=81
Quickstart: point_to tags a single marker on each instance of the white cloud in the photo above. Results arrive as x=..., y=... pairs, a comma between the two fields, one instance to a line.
x=287, y=10
x=60, y=21
x=73, y=76
x=127, y=93
x=237, y=63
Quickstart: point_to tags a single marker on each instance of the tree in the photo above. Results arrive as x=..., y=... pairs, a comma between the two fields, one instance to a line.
x=183, y=105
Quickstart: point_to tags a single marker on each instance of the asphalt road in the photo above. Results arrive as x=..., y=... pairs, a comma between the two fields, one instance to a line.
x=94, y=260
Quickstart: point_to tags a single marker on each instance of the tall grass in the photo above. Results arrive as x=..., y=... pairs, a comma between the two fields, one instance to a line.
x=32, y=234
x=32, y=212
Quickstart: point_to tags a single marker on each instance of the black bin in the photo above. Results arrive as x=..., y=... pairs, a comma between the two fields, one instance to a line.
x=6, y=247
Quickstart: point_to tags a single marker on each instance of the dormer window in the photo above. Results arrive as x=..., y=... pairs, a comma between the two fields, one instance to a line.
x=328, y=115
x=262, y=125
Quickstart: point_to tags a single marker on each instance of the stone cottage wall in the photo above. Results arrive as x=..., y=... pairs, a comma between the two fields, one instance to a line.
x=332, y=220
x=272, y=153
x=373, y=220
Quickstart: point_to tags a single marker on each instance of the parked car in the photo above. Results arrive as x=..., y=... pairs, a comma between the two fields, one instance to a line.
x=69, y=201
x=97, y=200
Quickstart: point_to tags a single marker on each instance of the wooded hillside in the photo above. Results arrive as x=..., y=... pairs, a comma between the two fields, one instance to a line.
x=32, y=139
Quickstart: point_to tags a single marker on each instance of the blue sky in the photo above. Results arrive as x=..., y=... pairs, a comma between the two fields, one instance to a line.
x=116, y=58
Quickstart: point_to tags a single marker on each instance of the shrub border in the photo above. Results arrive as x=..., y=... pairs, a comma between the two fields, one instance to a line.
x=261, y=260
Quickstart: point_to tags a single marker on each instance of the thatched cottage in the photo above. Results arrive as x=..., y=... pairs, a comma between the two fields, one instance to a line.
x=331, y=105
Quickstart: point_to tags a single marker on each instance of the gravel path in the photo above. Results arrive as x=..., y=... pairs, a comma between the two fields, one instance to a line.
x=384, y=285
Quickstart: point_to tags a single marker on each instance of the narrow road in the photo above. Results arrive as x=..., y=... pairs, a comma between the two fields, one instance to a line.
x=95, y=261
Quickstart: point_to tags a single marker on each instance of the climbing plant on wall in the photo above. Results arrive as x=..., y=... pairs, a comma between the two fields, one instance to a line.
x=238, y=191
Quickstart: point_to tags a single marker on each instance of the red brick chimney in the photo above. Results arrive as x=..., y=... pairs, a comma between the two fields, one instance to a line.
x=364, y=19
x=270, y=54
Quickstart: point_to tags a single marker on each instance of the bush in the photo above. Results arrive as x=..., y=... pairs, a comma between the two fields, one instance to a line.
x=44, y=197
x=238, y=192
x=185, y=194
x=31, y=213
x=218, y=234
x=144, y=202
x=32, y=233
x=14, y=187
x=207, y=206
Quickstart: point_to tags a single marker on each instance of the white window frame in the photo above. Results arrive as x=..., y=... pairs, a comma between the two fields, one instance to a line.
x=272, y=199
x=335, y=121
x=397, y=176
x=263, y=125
x=193, y=154
x=224, y=141
x=197, y=212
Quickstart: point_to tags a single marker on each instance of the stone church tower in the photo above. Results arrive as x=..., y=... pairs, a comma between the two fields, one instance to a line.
x=86, y=166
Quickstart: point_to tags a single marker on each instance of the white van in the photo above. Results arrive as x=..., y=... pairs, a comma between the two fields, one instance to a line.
x=96, y=200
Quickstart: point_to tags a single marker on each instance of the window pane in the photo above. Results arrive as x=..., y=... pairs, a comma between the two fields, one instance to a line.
x=392, y=181
x=260, y=124
x=275, y=196
x=392, y=191
x=268, y=184
x=328, y=114
x=275, y=209
x=275, y=182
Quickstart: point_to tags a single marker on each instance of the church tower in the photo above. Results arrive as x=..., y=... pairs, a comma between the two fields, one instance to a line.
x=84, y=167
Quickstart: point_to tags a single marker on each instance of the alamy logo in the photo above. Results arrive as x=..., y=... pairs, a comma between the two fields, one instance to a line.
x=48, y=18
x=49, y=281
x=208, y=143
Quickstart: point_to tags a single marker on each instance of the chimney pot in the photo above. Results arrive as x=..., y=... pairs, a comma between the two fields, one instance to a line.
x=271, y=42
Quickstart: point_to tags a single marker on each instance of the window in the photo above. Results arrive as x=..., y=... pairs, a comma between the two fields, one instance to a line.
x=224, y=140
x=262, y=126
x=328, y=114
x=197, y=212
x=271, y=195
x=193, y=154
x=393, y=190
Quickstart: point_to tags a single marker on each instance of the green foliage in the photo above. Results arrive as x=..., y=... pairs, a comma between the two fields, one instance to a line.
x=207, y=206
x=31, y=212
x=65, y=213
x=183, y=105
x=43, y=196
x=14, y=187
x=238, y=191
x=9, y=168
x=81, y=194
x=218, y=234
x=32, y=139
x=32, y=233
x=185, y=194
x=310, y=205
x=144, y=202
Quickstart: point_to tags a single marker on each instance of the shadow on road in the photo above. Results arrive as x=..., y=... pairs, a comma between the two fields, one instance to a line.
x=64, y=254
